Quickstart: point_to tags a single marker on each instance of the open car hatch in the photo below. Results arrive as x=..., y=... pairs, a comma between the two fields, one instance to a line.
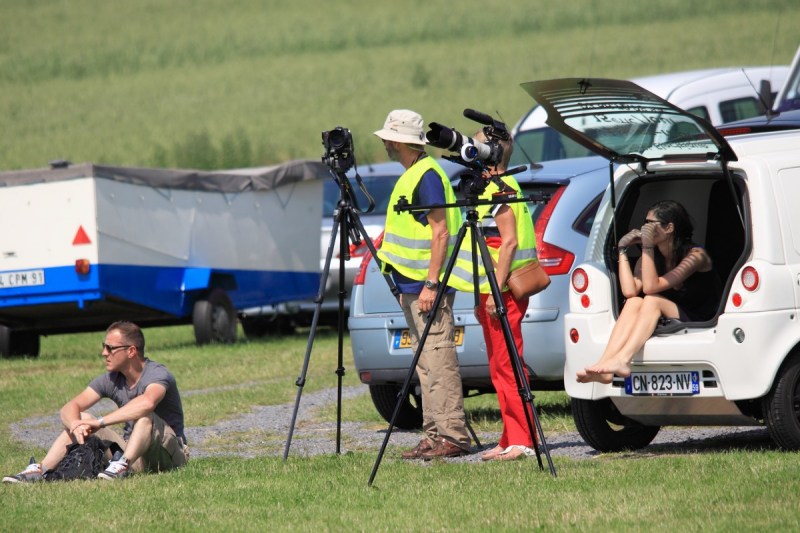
x=626, y=123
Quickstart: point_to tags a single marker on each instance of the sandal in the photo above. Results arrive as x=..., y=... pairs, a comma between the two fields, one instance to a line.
x=491, y=454
x=516, y=451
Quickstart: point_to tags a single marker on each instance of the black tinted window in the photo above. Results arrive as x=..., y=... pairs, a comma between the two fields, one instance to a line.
x=739, y=109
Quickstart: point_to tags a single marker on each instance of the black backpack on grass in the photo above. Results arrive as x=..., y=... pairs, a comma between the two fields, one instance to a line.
x=83, y=461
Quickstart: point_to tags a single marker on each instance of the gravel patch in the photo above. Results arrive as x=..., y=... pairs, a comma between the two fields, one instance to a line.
x=264, y=430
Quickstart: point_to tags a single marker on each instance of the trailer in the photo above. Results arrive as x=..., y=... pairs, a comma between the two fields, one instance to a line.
x=85, y=245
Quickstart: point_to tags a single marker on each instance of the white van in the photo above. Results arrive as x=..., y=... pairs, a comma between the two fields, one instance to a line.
x=742, y=367
x=718, y=95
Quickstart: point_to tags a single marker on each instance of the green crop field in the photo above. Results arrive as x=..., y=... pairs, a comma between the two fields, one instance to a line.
x=220, y=84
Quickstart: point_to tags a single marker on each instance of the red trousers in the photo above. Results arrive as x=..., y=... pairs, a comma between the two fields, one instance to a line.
x=512, y=408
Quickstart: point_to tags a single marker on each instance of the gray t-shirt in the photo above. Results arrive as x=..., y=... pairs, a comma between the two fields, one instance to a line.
x=112, y=385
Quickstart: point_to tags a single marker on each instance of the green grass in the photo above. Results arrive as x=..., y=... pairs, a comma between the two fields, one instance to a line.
x=644, y=491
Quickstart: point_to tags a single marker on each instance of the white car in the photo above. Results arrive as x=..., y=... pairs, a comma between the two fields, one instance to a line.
x=743, y=366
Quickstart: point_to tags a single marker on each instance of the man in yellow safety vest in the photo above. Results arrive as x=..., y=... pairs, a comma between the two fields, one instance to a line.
x=415, y=249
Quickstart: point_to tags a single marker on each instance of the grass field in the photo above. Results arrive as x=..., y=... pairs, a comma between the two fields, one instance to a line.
x=224, y=83
x=746, y=490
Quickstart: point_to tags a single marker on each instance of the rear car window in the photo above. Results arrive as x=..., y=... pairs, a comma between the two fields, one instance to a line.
x=379, y=187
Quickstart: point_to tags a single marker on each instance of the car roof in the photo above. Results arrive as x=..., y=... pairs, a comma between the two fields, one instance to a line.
x=787, y=120
x=394, y=168
x=562, y=170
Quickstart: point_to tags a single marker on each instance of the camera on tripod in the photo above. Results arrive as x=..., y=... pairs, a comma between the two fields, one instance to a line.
x=339, y=150
x=473, y=153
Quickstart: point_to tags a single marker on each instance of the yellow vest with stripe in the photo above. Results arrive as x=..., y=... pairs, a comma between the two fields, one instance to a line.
x=526, y=242
x=406, y=242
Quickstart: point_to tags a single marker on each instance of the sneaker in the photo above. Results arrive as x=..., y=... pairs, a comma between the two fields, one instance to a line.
x=32, y=473
x=115, y=470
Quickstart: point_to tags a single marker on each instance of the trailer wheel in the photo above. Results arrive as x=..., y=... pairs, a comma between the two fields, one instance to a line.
x=18, y=343
x=603, y=427
x=782, y=406
x=214, y=319
x=384, y=397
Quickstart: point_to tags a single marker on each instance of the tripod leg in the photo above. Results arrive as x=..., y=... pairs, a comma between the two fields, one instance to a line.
x=407, y=382
x=301, y=380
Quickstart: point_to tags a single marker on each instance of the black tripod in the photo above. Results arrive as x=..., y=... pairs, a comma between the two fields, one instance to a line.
x=348, y=225
x=478, y=243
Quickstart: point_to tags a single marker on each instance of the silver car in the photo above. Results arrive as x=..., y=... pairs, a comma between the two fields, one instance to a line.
x=378, y=329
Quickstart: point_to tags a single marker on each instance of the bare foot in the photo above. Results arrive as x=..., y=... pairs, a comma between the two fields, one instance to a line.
x=613, y=367
x=587, y=376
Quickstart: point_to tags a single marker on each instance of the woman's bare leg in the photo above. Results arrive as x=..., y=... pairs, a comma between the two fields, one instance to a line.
x=652, y=308
x=619, y=335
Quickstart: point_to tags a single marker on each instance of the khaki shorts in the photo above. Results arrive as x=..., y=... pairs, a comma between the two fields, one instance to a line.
x=166, y=451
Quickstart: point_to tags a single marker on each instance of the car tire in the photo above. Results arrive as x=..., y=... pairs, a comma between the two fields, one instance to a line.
x=603, y=427
x=384, y=397
x=782, y=405
x=18, y=343
x=214, y=319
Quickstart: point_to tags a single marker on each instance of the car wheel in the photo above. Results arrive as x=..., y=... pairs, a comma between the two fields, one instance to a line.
x=782, y=406
x=18, y=343
x=603, y=427
x=214, y=318
x=385, y=399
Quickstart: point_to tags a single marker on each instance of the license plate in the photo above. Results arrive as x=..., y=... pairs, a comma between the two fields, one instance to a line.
x=663, y=384
x=401, y=338
x=24, y=278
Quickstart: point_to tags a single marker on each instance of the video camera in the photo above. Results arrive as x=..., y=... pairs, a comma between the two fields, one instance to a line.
x=473, y=153
x=339, y=151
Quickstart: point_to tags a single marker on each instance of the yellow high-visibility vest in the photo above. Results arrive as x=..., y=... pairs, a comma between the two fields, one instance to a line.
x=406, y=242
x=526, y=242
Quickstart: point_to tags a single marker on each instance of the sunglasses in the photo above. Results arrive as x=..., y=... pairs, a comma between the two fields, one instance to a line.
x=112, y=349
x=650, y=221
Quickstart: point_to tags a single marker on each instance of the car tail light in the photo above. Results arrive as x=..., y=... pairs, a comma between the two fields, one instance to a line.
x=580, y=280
x=741, y=130
x=750, y=278
x=553, y=259
x=82, y=266
x=362, y=268
x=574, y=336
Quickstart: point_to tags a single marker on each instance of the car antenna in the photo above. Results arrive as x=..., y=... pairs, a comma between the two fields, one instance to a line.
x=531, y=163
x=764, y=95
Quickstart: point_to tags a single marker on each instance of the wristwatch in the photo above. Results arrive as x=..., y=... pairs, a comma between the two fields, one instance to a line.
x=431, y=284
x=101, y=421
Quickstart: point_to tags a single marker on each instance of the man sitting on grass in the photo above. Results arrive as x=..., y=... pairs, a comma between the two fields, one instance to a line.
x=148, y=403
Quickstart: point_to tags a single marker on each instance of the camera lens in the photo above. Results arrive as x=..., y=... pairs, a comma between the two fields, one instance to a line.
x=337, y=139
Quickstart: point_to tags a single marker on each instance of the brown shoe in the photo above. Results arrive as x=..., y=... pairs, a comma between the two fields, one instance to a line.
x=416, y=452
x=444, y=449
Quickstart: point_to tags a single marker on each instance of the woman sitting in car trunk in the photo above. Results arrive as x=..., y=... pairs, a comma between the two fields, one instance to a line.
x=672, y=279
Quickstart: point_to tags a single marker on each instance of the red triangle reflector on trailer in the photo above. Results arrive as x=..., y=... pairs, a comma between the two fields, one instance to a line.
x=81, y=237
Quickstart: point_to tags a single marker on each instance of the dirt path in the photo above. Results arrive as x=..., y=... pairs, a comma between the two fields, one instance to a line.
x=264, y=430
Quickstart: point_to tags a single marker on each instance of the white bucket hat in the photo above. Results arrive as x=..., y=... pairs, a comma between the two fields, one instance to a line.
x=403, y=126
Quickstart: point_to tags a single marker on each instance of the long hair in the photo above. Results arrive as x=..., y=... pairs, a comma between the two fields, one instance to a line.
x=671, y=211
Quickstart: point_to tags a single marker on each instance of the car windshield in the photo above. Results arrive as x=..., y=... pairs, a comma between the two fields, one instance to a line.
x=619, y=120
x=379, y=187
